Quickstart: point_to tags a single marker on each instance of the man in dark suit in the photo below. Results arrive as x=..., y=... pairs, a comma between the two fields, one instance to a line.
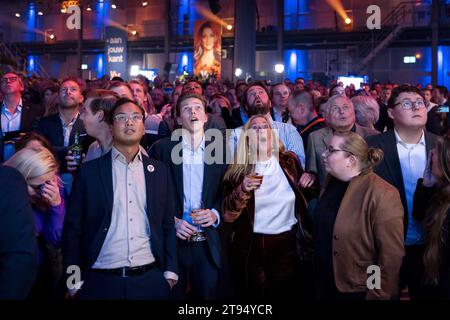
x=406, y=148
x=18, y=245
x=198, y=177
x=17, y=115
x=60, y=128
x=119, y=227
x=239, y=114
x=439, y=122
x=384, y=121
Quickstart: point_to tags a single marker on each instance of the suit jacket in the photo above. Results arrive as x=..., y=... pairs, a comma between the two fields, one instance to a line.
x=28, y=119
x=90, y=207
x=51, y=128
x=211, y=189
x=317, y=144
x=434, y=121
x=237, y=119
x=389, y=167
x=368, y=231
x=18, y=244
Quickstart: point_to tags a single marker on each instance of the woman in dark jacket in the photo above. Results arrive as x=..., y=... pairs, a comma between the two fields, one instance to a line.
x=432, y=207
x=267, y=213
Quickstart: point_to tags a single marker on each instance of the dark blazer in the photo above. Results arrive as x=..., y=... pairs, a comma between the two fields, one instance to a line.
x=18, y=244
x=434, y=122
x=90, y=207
x=28, y=119
x=423, y=200
x=237, y=119
x=211, y=189
x=389, y=168
x=51, y=128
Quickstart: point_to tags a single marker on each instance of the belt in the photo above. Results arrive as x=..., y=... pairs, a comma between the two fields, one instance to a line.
x=127, y=271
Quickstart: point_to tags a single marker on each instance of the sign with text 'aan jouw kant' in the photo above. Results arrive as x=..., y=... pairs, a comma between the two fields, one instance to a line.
x=116, y=52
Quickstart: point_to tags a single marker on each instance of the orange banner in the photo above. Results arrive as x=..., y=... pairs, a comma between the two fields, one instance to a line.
x=207, y=49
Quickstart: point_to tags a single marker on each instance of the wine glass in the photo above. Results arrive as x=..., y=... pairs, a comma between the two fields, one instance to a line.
x=200, y=234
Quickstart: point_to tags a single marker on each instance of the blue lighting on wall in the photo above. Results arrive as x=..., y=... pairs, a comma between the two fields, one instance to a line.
x=183, y=15
x=101, y=13
x=443, y=66
x=296, y=64
x=100, y=65
x=424, y=64
x=186, y=17
x=185, y=59
x=295, y=14
x=31, y=65
x=31, y=22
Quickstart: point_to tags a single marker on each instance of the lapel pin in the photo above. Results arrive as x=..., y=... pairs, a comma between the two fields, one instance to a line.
x=150, y=168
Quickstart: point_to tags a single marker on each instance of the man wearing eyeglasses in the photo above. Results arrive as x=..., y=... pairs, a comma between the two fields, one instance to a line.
x=406, y=148
x=119, y=227
x=17, y=115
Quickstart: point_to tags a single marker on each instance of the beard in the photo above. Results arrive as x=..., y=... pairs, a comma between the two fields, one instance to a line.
x=258, y=107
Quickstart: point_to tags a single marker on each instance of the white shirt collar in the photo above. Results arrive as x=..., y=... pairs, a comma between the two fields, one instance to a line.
x=18, y=109
x=398, y=139
x=71, y=121
x=187, y=145
x=117, y=155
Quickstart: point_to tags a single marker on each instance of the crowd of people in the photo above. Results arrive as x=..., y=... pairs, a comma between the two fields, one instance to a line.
x=218, y=190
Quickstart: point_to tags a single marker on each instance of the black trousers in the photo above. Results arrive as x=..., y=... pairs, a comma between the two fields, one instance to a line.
x=412, y=270
x=198, y=274
x=150, y=285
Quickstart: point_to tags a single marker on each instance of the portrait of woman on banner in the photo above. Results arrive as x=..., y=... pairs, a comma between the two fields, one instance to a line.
x=207, y=53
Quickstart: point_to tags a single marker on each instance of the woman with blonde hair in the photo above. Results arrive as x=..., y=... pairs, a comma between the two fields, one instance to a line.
x=266, y=211
x=358, y=225
x=40, y=170
x=432, y=208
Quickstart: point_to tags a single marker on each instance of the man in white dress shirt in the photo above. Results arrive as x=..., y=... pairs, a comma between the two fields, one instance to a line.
x=119, y=227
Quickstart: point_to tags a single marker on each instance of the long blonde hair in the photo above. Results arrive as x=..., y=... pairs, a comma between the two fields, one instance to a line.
x=33, y=163
x=244, y=160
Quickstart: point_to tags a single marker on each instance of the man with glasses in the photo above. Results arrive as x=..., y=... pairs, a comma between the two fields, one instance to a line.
x=406, y=147
x=119, y=227
x=17, y=115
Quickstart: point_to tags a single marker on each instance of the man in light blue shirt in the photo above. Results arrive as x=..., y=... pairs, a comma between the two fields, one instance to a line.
x=16, y=115
x=198, y=176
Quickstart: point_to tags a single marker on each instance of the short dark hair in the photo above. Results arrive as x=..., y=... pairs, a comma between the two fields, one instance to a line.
x=254, y=84
x=102, y=100
x=403, y=88
x=80, y=82
x=120, y=103
x=187, y=96
x=442, y=90
x=276, y=85
x=30, y=136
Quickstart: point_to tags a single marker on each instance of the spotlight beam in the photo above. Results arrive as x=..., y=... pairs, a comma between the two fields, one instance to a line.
x=337, y=5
